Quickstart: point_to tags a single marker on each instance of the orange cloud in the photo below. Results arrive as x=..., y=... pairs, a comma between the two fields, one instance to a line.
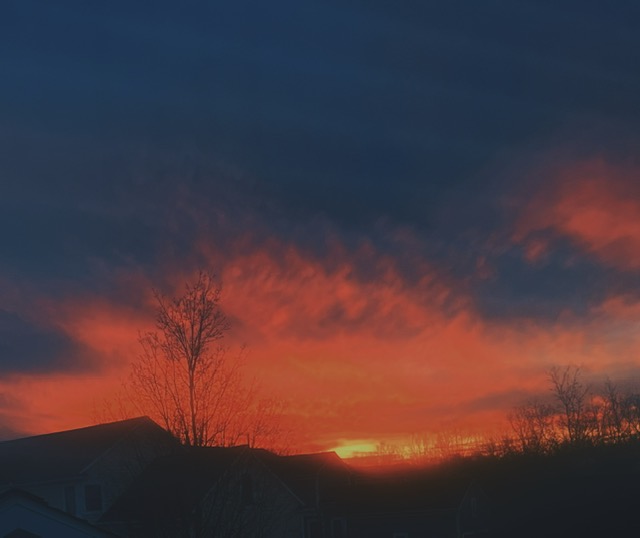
x=355, y=356
x=595, y=205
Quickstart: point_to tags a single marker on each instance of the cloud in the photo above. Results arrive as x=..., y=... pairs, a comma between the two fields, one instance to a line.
x=336, y=167
x=596, y=206
x=342, y=347
x=364, y=336
x=370, y=354
x=567, y=240
x=26, y=347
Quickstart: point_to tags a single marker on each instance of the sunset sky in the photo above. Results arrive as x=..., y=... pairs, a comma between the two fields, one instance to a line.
x=415, y=208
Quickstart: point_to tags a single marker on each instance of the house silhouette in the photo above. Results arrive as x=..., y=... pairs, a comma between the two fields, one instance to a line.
x=133, y=479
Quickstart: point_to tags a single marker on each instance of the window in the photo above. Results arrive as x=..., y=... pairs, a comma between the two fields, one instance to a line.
x=92, y=498
x=70, y=499
x=247, y=490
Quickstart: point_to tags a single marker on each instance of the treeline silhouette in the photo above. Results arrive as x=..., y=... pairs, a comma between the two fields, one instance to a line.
x=572, y=415
x=575, y=416
x=569, y=467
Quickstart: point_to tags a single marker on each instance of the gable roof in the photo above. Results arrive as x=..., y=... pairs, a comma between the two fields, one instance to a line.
x=326, y=479
x=66, y=454
x=172, y=485
x=309, y=476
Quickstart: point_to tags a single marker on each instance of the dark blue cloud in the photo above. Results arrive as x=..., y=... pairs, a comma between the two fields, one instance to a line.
x=302, y=119
x=542, y=291
x=28, y=348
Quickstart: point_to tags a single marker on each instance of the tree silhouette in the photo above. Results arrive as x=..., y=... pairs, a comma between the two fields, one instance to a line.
x=533, y=425
x=187, y=380
x=577, y=418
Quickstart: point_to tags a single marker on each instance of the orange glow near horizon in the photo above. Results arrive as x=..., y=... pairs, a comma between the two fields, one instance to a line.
x=360, y=362
x=355, y=447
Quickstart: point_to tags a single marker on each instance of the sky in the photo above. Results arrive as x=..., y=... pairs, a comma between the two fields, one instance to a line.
x=415, y=208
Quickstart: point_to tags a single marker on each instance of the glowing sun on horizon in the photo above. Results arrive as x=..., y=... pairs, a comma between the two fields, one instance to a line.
x=350, y=449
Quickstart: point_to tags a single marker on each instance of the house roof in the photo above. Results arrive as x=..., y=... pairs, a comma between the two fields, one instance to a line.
x=309, y=475
x=66, y=454
x=40, y=511
x=326, y=479
x=173, y=484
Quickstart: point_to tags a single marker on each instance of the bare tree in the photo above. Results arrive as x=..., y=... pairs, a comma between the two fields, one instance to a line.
x=186, y=379
x=630, y=410
x=613, y=426
x=534, y=428
x=498, y=447
x=451, y=444
x=576, y=416
x=420, y=448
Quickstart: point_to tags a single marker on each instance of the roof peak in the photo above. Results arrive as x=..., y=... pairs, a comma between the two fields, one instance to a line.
x=129, y=421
